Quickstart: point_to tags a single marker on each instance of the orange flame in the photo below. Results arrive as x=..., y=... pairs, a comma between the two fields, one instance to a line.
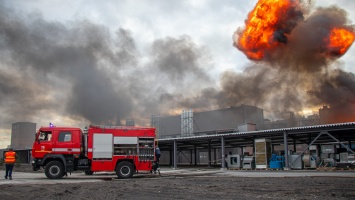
x=261, y=25
x=340, y=41
x=337, y=115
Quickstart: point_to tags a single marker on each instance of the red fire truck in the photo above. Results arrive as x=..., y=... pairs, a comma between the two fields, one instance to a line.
x=122, y=149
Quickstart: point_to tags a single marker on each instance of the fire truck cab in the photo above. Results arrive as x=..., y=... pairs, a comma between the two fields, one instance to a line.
x=122, y=149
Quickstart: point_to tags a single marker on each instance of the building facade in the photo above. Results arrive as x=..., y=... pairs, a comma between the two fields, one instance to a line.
x=208, y=122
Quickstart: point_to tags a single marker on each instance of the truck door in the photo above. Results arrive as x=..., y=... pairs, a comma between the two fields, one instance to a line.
x=64, y=143
x=43, y=144
x=102, y=152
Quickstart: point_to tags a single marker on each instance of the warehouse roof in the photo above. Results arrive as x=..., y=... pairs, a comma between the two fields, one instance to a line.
x=296, y=135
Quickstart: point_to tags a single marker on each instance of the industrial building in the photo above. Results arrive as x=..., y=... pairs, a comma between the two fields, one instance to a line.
x=208, y=138
x=22, y=137
x=191, y=123
x=330, y=145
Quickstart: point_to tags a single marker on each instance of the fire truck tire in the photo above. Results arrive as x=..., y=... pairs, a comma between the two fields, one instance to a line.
x=124, y=170
x=54, y=170
x=88, y=172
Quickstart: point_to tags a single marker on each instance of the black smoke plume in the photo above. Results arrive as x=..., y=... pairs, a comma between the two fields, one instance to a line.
x=82, y=72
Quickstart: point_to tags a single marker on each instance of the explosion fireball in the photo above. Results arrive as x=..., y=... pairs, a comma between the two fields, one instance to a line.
x=340, y=41
x=270, y=24
x=297, y=48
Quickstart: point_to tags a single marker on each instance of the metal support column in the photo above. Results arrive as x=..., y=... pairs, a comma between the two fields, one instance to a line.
x=349, y=144
x=223, y=153
x=286, y=150
x=214, y=156
x=309, y=138
x=209, y=153
x=294, y=145
x=28, y=156
x=191, y=157
x=175, y=155
x=254, y=146
x=195, y=150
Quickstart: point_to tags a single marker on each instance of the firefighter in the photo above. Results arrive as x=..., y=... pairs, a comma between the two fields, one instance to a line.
x=157, y=154
x=156, y=163
x=9, y=159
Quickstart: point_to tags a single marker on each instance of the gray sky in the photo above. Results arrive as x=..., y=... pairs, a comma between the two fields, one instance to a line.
x=73, y=63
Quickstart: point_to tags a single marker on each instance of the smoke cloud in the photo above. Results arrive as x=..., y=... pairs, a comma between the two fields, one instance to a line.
x=84, y=74
x=79, y=70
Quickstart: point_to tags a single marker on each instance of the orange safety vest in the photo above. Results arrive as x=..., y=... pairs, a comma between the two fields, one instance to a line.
x=10, y=157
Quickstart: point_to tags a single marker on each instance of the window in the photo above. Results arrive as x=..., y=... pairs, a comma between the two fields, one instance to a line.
x=64, y=137
x=45, y=136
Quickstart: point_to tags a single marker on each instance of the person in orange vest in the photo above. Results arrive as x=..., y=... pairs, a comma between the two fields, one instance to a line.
x=10, y=159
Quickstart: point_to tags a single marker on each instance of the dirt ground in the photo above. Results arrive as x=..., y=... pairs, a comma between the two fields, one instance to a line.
x=187, y=187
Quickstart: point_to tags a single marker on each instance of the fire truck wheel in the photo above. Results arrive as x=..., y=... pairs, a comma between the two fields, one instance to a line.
x=124, y=169
x=54, y=170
